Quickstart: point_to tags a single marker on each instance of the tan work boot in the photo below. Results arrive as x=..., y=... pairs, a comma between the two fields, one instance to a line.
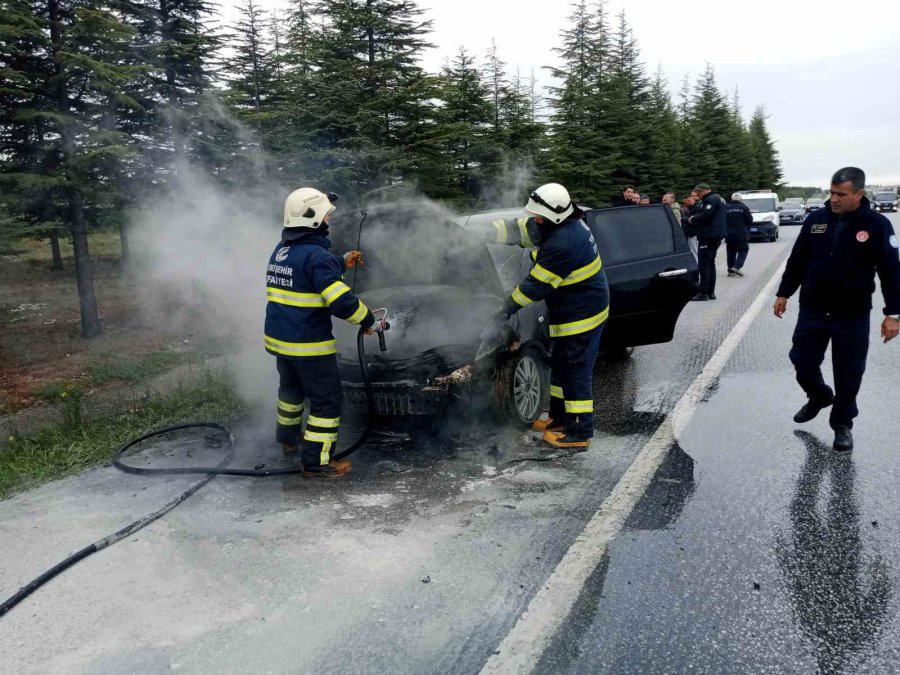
x=544, y=424
x=558, y=439
x=334, y=469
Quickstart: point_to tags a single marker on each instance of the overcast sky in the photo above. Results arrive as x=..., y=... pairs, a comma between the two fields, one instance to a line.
x=829, y=79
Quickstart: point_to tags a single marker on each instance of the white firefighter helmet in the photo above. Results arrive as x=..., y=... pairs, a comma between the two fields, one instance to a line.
x=550, y=201
x=307, y=207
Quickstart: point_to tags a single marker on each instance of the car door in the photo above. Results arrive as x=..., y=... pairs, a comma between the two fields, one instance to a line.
x=651, y=272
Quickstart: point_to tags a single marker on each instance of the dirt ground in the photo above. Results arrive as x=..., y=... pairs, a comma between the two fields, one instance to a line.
x=40, y=344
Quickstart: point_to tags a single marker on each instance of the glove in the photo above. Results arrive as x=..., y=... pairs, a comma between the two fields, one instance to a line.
x=354, y=258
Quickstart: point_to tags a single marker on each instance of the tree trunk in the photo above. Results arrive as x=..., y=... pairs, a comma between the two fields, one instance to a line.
x=54, y=248
x=90, y=318
x=123, y=239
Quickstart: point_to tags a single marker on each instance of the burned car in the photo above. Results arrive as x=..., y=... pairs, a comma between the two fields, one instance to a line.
x=441, y=281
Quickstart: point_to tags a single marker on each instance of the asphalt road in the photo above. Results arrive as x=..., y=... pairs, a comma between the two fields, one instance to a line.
x=753, y=548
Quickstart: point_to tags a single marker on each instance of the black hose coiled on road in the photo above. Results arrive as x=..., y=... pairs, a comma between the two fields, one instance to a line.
x=209, y=474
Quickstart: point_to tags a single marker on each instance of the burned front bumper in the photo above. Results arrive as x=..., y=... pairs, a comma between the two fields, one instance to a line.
x=420, y=386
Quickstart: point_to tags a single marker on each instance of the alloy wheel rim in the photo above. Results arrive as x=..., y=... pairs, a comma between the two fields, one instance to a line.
x=527, y=388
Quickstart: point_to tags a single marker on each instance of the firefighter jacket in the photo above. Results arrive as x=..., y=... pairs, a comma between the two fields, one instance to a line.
x=304, y=287
x=708, y=220
x=739, y=220
x=835, y=259
x=567, y=273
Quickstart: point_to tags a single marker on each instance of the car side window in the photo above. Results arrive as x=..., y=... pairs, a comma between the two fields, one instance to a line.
x=632, y=233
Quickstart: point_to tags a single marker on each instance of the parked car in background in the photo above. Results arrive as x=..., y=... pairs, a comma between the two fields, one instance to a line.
x=799, y=200
x=764, y=206
x=813, y=204
x=441, y=281
x=884, y=201
x=792, y=213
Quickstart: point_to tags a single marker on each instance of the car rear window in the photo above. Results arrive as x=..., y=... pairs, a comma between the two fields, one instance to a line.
x=632, y=232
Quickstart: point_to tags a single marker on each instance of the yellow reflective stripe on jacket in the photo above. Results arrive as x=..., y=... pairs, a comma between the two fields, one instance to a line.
x=289, y=421
x=301, y=348
x=524, y=239
x=294, y=299
x=556, y=392
x=319, y=436
x=583, y=273
x=502, y=232
x=545, y=275
x=324, y=422
x=290, y=407
x=534, y=254
x=576, y=407
x=359, y=314
x=333, y=292
x=576, y=327
x=520, y=298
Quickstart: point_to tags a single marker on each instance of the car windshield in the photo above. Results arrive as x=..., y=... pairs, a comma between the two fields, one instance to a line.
x=760, y=204
x=885, y=196
x=815, y=202
x=792, y=206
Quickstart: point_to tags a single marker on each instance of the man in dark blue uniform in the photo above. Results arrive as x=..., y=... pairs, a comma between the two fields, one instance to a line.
x=834, y=261
x=568, y=274
x=304, y=288
x=709, y=226
x=737, y=242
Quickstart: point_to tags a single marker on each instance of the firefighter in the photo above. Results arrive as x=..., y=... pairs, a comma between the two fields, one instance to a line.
x=568, y=274
x=304, y=287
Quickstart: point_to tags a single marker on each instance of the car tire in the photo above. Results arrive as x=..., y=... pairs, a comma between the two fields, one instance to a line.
x=523, y=387
x=616, y=353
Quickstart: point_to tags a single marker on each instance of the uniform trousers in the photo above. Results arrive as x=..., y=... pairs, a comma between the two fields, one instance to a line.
x=571, y=382
x=849, y=338
x=318, y=380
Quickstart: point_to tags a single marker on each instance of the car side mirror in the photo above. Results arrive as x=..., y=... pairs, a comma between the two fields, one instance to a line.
x=780, y=208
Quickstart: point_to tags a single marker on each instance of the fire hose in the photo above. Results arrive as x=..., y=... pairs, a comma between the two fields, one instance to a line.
x=224, y=437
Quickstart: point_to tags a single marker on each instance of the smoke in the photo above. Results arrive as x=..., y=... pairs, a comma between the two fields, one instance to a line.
x=201, y=253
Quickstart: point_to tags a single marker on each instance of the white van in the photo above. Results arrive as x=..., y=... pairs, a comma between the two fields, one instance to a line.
x=764, y=206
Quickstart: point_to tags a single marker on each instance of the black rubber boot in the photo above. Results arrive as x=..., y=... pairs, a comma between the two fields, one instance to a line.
x=700, y=297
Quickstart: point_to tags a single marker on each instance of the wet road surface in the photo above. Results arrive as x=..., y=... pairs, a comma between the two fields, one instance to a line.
x=424, y=558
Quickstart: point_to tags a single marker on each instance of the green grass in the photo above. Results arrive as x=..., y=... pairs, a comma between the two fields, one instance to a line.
x=62, y=450
x=137, y=368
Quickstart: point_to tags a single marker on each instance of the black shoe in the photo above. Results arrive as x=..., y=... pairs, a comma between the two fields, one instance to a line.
x=811, y=409
x=711, y=296
x=731, y=272
x=843, y=439
x=737, y=272
x=700, y=297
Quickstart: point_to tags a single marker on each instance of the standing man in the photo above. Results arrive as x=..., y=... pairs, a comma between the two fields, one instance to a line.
x=834, y=261
x=709, y=226
x=688, y=206
x=669, y=198
x=304, y=288
x=628, y=197
x=567, y=274
x=737, y=241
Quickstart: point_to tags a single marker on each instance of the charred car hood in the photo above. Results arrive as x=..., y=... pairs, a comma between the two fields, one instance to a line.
x=428, y=324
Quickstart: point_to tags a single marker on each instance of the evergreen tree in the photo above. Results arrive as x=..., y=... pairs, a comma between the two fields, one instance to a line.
x=710, y=124
x=767, y=160
x=662, y=157
x=464, y=124
x=582, y=154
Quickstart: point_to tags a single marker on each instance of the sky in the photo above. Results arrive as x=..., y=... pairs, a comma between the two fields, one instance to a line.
x=828, y=74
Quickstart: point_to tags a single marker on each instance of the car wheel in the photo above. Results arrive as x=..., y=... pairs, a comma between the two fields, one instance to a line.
x=616, y=353
x=523, y=387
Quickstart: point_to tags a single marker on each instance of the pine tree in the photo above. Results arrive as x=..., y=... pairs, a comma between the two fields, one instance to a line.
x=464, y=123
x=767, y=159
x=710, y=123
x=582, y=154
x=662, y=157
x=73, y=97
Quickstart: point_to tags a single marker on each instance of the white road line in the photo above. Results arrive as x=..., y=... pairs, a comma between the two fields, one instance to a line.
x=525, y=643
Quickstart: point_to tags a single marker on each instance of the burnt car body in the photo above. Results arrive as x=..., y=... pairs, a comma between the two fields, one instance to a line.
x=442, y=280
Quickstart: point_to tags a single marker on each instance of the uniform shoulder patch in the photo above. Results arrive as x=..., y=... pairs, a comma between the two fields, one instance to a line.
x=819, y=228
x=862, y=236
x=282, y=254
x=893, y=240
x=708, y=207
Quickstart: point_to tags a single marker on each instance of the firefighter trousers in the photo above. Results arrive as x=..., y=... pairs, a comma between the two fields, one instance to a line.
x=317, y=380
x=571, y=382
